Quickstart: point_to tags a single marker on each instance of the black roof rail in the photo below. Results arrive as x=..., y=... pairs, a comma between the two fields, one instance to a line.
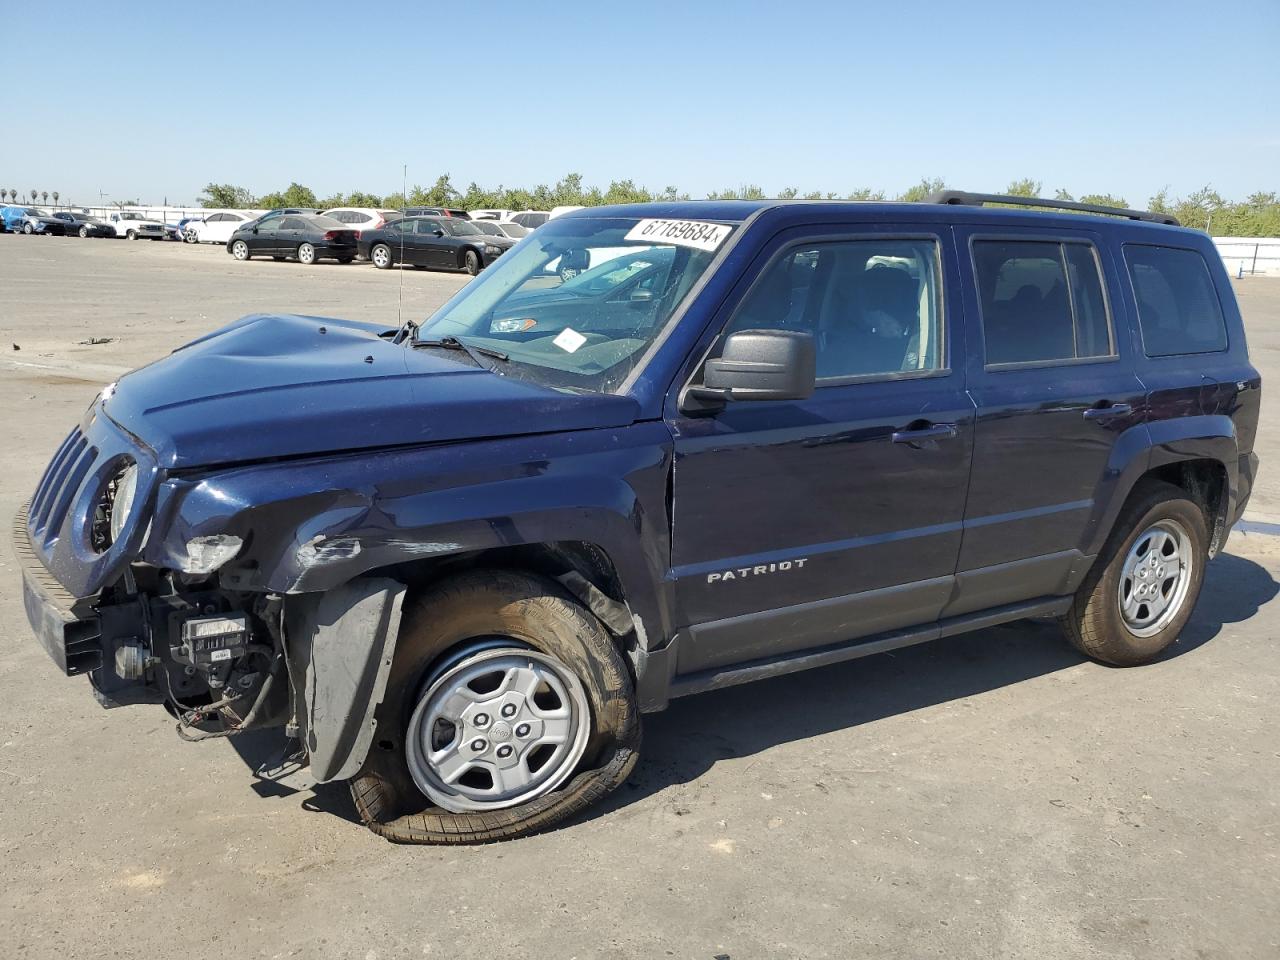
x=963, y=198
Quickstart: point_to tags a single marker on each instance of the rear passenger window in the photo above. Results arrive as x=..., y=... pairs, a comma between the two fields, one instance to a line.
x=1041, y=301
x=1178, y=306
x=872, y=306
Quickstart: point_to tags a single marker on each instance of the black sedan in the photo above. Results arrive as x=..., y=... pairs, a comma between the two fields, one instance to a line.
x=439, y=242
x=304, y=238
x=82, y=225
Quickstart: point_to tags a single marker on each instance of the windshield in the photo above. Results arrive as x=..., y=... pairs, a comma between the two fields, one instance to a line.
x=577, y=304
x=489, y=227
x=461, y=228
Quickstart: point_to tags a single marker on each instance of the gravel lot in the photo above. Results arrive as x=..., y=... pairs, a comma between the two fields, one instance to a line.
x=989, y=795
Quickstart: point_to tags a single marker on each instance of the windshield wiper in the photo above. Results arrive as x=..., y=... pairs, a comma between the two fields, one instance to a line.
x=471, y=350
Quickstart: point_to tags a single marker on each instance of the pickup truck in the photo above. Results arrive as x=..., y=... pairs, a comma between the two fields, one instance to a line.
x=135, y=226
x=455, y=562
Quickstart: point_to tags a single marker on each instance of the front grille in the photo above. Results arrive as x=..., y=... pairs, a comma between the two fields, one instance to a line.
x=59, y=486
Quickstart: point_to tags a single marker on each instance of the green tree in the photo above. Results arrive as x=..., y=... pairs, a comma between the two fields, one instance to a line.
x=864, y=193
x=1024, y=188
x=55, y=198
x=1104, y=200
x=746, y=192
x=296, y=196
x=226, y=196
x=922, y=189
x=34, y=194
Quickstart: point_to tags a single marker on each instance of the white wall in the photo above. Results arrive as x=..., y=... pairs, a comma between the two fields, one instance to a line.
x=1250, y=255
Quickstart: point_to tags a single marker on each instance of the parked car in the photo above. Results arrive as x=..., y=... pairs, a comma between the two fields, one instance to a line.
x=13, y=217
x=531, y=219
x=490, y=214
x=285, y=211
x=216, y=227
x=306, y=239
x=360, y=219
x=135, y=226
x=436, y=212
x=83, y=225
x=561, y=211
x=501, y=228
x=31, y=220
x=456, y=564
x=440, y=242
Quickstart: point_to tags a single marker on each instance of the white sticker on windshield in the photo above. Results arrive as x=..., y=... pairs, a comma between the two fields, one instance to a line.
x=569, y=340
x=682, y=233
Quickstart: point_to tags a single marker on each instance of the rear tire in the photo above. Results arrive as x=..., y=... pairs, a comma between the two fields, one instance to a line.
x=1144, y=585
x=381, y=256
x=306, y=254
x=472, y=619
x=471, y=262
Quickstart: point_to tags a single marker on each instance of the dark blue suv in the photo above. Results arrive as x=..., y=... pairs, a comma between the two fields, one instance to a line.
x=654, y=450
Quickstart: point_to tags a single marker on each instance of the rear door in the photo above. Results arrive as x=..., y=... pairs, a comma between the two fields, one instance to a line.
x=804, y=523
x=1055, y=390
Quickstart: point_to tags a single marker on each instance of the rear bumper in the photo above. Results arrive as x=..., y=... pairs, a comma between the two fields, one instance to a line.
x=71, y=641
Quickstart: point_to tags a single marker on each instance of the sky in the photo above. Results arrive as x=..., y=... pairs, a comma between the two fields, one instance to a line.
x=153, y=100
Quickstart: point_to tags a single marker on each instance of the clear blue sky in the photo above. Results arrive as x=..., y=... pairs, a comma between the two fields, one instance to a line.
x=1121, y=97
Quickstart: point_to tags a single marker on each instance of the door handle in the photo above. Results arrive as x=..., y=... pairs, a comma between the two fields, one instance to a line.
x=925, y=432
x=1108, y=411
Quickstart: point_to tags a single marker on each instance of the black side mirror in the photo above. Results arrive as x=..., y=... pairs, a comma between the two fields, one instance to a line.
x=255, y=229
x=437, y=232
x=759, y=365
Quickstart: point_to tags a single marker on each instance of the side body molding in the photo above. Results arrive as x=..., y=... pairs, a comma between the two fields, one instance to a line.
x=340, y=645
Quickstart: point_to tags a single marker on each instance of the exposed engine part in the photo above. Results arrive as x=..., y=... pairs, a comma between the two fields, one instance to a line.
x=132, y=660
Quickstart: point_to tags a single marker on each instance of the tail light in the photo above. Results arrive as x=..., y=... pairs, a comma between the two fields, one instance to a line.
x=331, y=234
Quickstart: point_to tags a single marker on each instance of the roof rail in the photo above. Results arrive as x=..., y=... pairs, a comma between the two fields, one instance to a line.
x=962, y=198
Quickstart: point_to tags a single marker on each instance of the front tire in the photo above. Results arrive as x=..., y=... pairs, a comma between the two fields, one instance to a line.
x=240, y=250
x=306, y=254
x=84, y=233
x=131, y=234
x=1142, y=589
x=508, y=709
x=471, y=262
x=28, y=229
x=381, y=256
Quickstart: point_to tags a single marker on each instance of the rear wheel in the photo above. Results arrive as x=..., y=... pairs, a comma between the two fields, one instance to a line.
x=1142, y=589
x=381, y=256
x=471, y=262
x=240, y=250
x=306, y=253
x=508, y=709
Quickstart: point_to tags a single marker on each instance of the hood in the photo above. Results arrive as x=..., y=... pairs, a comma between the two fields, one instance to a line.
x=267, y=387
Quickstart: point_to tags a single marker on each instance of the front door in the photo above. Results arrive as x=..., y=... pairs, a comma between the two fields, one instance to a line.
x=799, y=524
x=432, y=250
x=1055, y=389
x=265, y=238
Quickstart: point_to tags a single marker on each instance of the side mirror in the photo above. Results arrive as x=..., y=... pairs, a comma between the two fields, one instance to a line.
x=437, y=232
x=760, y=365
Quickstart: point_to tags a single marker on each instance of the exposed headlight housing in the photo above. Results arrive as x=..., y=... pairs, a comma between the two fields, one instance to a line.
x=121, y=502
x=493, y=251
x=207, y=554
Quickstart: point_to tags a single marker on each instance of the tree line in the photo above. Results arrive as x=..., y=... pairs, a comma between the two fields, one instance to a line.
x=1256, y=216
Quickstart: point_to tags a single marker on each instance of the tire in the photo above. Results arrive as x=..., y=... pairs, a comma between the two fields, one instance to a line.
x=471, y=262
x=1158, y=518
x=469, y=623
x=28, y=229
x=190, y=236
x=240, y=250
x=84, y=233
x=131, y=234
x=381, y=256
x=307, y=254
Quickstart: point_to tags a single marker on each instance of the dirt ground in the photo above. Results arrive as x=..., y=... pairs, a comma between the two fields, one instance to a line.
x=991, y=795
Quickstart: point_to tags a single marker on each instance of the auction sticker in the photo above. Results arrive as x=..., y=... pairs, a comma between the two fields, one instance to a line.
x=681, y=233
x=569, y=340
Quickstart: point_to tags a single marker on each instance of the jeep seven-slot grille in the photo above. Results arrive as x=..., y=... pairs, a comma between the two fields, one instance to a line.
x=58, y=487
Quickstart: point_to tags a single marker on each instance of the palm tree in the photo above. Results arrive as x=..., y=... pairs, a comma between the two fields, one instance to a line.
x=34, y=194
x=55, y=198
x=45, y=195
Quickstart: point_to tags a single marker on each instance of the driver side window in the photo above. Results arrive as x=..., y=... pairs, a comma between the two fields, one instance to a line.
x=873, y=307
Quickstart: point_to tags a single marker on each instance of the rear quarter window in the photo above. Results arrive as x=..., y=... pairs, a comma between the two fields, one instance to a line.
x=1178, y=306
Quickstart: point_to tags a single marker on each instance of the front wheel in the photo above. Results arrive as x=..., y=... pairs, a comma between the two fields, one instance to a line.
x=306, y=254
x=240, y=250
x=508, y=708
x=190, y=236
x=28, y=229
x=131, y=234
x=1142, y=589
x=381, y=256
x=471, y=262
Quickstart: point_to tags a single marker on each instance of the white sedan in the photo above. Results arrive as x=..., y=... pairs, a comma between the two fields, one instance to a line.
x=215, y=228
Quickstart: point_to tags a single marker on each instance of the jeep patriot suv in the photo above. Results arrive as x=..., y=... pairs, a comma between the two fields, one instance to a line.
x=654, y=450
